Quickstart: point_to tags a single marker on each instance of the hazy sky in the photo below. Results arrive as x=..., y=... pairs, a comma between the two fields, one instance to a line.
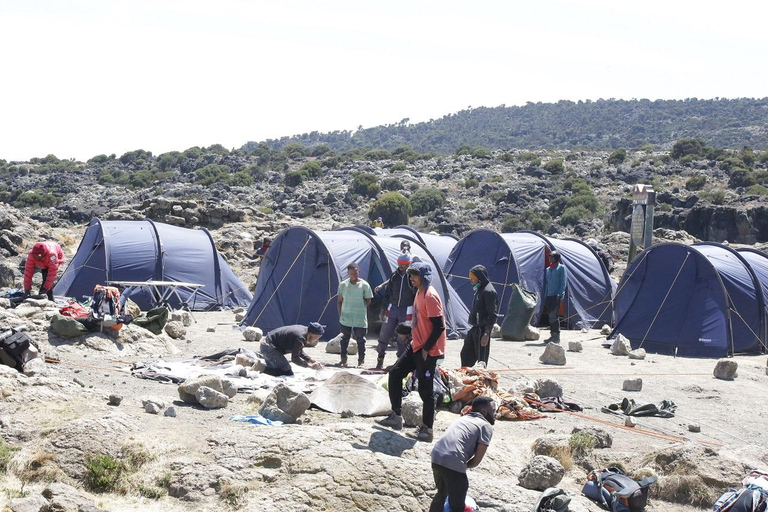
x=83, y=77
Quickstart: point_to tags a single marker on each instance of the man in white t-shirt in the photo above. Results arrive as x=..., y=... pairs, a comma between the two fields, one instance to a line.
x=462, y=446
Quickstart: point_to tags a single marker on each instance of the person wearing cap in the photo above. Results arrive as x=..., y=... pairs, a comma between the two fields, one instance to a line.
x=290, y=339
x=482, y=318
x=48, y=257
x=428, y=344
x=399, y=295
x=355, y=296
x=463, y=446
x=378, y=223
x=556, y=280
x=604, y=256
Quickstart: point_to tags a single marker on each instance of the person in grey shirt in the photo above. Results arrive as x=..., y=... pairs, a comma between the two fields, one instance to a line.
x=462, y=446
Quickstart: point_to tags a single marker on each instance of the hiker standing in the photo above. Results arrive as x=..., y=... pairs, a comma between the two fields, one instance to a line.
x=355, y=296
x=428, y=345
x=399, y=294
x=555, y=278
x=603, y=254
x=47, y=256
x=477, y=343
x=378, y=223
x=462, y=446
x=289, y=339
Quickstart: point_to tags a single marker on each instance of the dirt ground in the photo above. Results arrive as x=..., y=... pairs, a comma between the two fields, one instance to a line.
x=731, y=414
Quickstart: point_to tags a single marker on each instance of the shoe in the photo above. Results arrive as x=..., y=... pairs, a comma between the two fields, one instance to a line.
x=360, y=363
x=380, y=363
x=343, y=361
x=393, y=421
x=423, y=433
x=555, y=338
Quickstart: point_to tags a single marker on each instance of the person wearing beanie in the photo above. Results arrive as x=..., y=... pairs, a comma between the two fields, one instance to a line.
x=293, y=339
x=421, y=356
x=398, y=296
x=556, y=280
x=603, y=254
x=482, y=318
x=355, y=296
x=48, y=257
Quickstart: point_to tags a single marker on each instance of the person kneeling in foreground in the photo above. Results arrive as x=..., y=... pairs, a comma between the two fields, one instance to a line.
x=462, y=446
x=421, y=356
x=293, y=339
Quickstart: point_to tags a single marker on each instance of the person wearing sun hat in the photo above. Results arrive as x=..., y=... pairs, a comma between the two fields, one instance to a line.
x=398, y=296
x=290, y=339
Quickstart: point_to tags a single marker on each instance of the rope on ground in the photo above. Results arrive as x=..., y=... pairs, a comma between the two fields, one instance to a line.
x=309, y=237
x=665, y=300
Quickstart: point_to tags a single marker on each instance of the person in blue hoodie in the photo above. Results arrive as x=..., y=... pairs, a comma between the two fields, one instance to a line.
x=556, y=281
x=482, y=318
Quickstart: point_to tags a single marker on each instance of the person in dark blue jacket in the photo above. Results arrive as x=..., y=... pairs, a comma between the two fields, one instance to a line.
x=482, y=318
x=556, y=280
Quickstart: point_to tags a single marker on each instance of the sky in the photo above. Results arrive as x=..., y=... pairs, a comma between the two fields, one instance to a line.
x=79, y=78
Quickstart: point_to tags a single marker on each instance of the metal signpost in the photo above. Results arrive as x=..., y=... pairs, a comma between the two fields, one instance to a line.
x=641, y=231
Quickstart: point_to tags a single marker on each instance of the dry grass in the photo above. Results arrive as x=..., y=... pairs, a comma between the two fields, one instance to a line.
x=235, y=495
x=36, y=465
x=688, y=489
x=560, y=452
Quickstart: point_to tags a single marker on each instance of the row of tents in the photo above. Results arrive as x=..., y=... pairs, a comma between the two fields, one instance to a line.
x=700, y=300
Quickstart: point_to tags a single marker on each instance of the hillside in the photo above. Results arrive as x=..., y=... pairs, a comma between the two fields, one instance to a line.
x=601, y=124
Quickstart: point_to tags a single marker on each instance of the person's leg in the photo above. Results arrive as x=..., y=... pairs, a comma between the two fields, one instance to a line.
x=48, y=293
x=403, y=366
x=276, y=362
x=483, y=352
x=385, y=334
x=468, y=353
x=426, y=376
x=438, y=502
x=359, y=335
x=346, y=332
x=457, y=484
x=552, y=304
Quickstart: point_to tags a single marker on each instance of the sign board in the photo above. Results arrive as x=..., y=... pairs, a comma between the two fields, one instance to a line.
x=637, y=229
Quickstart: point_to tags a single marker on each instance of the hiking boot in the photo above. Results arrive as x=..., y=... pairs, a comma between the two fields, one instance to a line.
x=380, y=363
x=361, y=362
x=423, y=433
x=393, y=421
x=343, y=361
x=555, y=338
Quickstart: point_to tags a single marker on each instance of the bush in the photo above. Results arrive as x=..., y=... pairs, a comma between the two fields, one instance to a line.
x=577, y=186
x=212, y=173
x=617, y=157
x=405, y=153
x=294, y=178
x=103, y=473
x=393, y=208
x=464, y=150
x=574, y=214
x=426, y=200
x=391, y=184
x=138, y=156
x=684, y=147
x=320, y=150
x=365, y=184
x=510, y=224
x=555, y=166
x=757, y=190
x=6, y=454
x=295, y=151
x=696, y=182
x=731, y=163
x=377, y=154
x=311, y=169
x=397, y=166
x=741, y=178
x=35, y=199
x=99, y=159
x=507, y=157
x=471, y=183
x=480, y=152
x=715, y=195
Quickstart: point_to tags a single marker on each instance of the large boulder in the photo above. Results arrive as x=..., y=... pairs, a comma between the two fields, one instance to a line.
x=541, y=472
x=725, y=369
x=284, y=404
x=548, y=388
x=64, y=497
x=621, y=346
x=175, y=329
x=603, y=438
x=210, y=398
x=253, y=334
x=188, y=388
x=553, y=354
x=412, y=410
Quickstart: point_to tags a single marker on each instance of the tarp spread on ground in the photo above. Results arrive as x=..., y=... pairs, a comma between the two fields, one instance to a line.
x=700, y=300
x=300, y=274
x=522, y=258
x=152, y=251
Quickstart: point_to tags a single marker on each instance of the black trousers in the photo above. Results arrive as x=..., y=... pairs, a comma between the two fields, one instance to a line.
x=473, y=351
x=49, y=293
x=552, y=303
x=425, y=371
x=449, y=483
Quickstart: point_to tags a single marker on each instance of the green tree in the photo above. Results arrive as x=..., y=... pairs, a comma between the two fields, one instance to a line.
x=393, y=208
x=696, y=182
x=294, y=178
x=426, y=200
x=683, y=147
x=365, y=184
x=554, y=166
x=480, y=152
x=377, y=154
x=617, y=157
x=295, y=151
x=391, y=184
x=312, y=169
x=741, y=178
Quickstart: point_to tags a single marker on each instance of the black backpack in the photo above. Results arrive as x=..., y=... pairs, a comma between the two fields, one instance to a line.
x=749, y=498
x=617, y=492
x=14, y=343
x=553, y=499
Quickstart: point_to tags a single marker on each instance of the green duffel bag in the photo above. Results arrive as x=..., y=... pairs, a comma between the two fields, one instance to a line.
x=522, y=303
x=67, y=327
x=153, y=320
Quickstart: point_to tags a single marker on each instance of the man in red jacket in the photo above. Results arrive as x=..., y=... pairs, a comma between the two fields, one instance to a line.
x=46, y=256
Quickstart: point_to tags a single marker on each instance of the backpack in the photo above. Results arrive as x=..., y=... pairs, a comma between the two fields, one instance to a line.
x=617, y=492
x=105, y=307
x=553, y=499
x=14, y=343
x=749, y=498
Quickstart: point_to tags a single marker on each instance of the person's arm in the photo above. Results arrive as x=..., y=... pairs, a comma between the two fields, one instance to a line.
x=367, y=294
x=438, y=326
x=298, y=356
x=489, y=301
x=477, y=458
x=338, y=303
x=563, y=282
x=382, y=286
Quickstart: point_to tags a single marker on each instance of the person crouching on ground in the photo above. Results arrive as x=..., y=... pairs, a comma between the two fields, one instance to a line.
x=477, y=344
x=556, y=279
x=428, y=344
x=293, y=339
x=47, y=256
x=400, y=294
x=462, y=446
x=355, y=296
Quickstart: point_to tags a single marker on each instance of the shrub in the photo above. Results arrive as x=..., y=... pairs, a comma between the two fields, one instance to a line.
x=393, y=208
x=696, y=182
x=471, y=183
x=464, y=150
x=426, y=200
x=405, y=153
x=577, y=186
x=581, y=443
x=212, y=173
x=683, y=147
x=295, y=151
x=170, y=160
x=135, y=157
x=715, y=195
x=397, y=166
x=365, y=184
x=617, y=157
x=574, y=214
x=527, y=156
x=731, y=163
x=6, y=454
x=321, y=150
x=588, y=201
x=556, y=206
x=99, y=159
x=377, y=154
x=103, y=473
x=510, y=224
x=741, y=178
x=757, y=190
x=311, y=169
x=391, y=184
x=507, y=157
x=747, y=156
x=294, y=178
x=480, y=152
x=36, y=199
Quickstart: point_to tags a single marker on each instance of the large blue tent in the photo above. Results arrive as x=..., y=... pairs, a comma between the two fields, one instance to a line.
x=300, y=273
x=701, y=300
x=522, y=258
x=151, y=251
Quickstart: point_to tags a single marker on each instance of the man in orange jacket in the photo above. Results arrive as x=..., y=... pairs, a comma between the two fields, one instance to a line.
x=47, y=256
